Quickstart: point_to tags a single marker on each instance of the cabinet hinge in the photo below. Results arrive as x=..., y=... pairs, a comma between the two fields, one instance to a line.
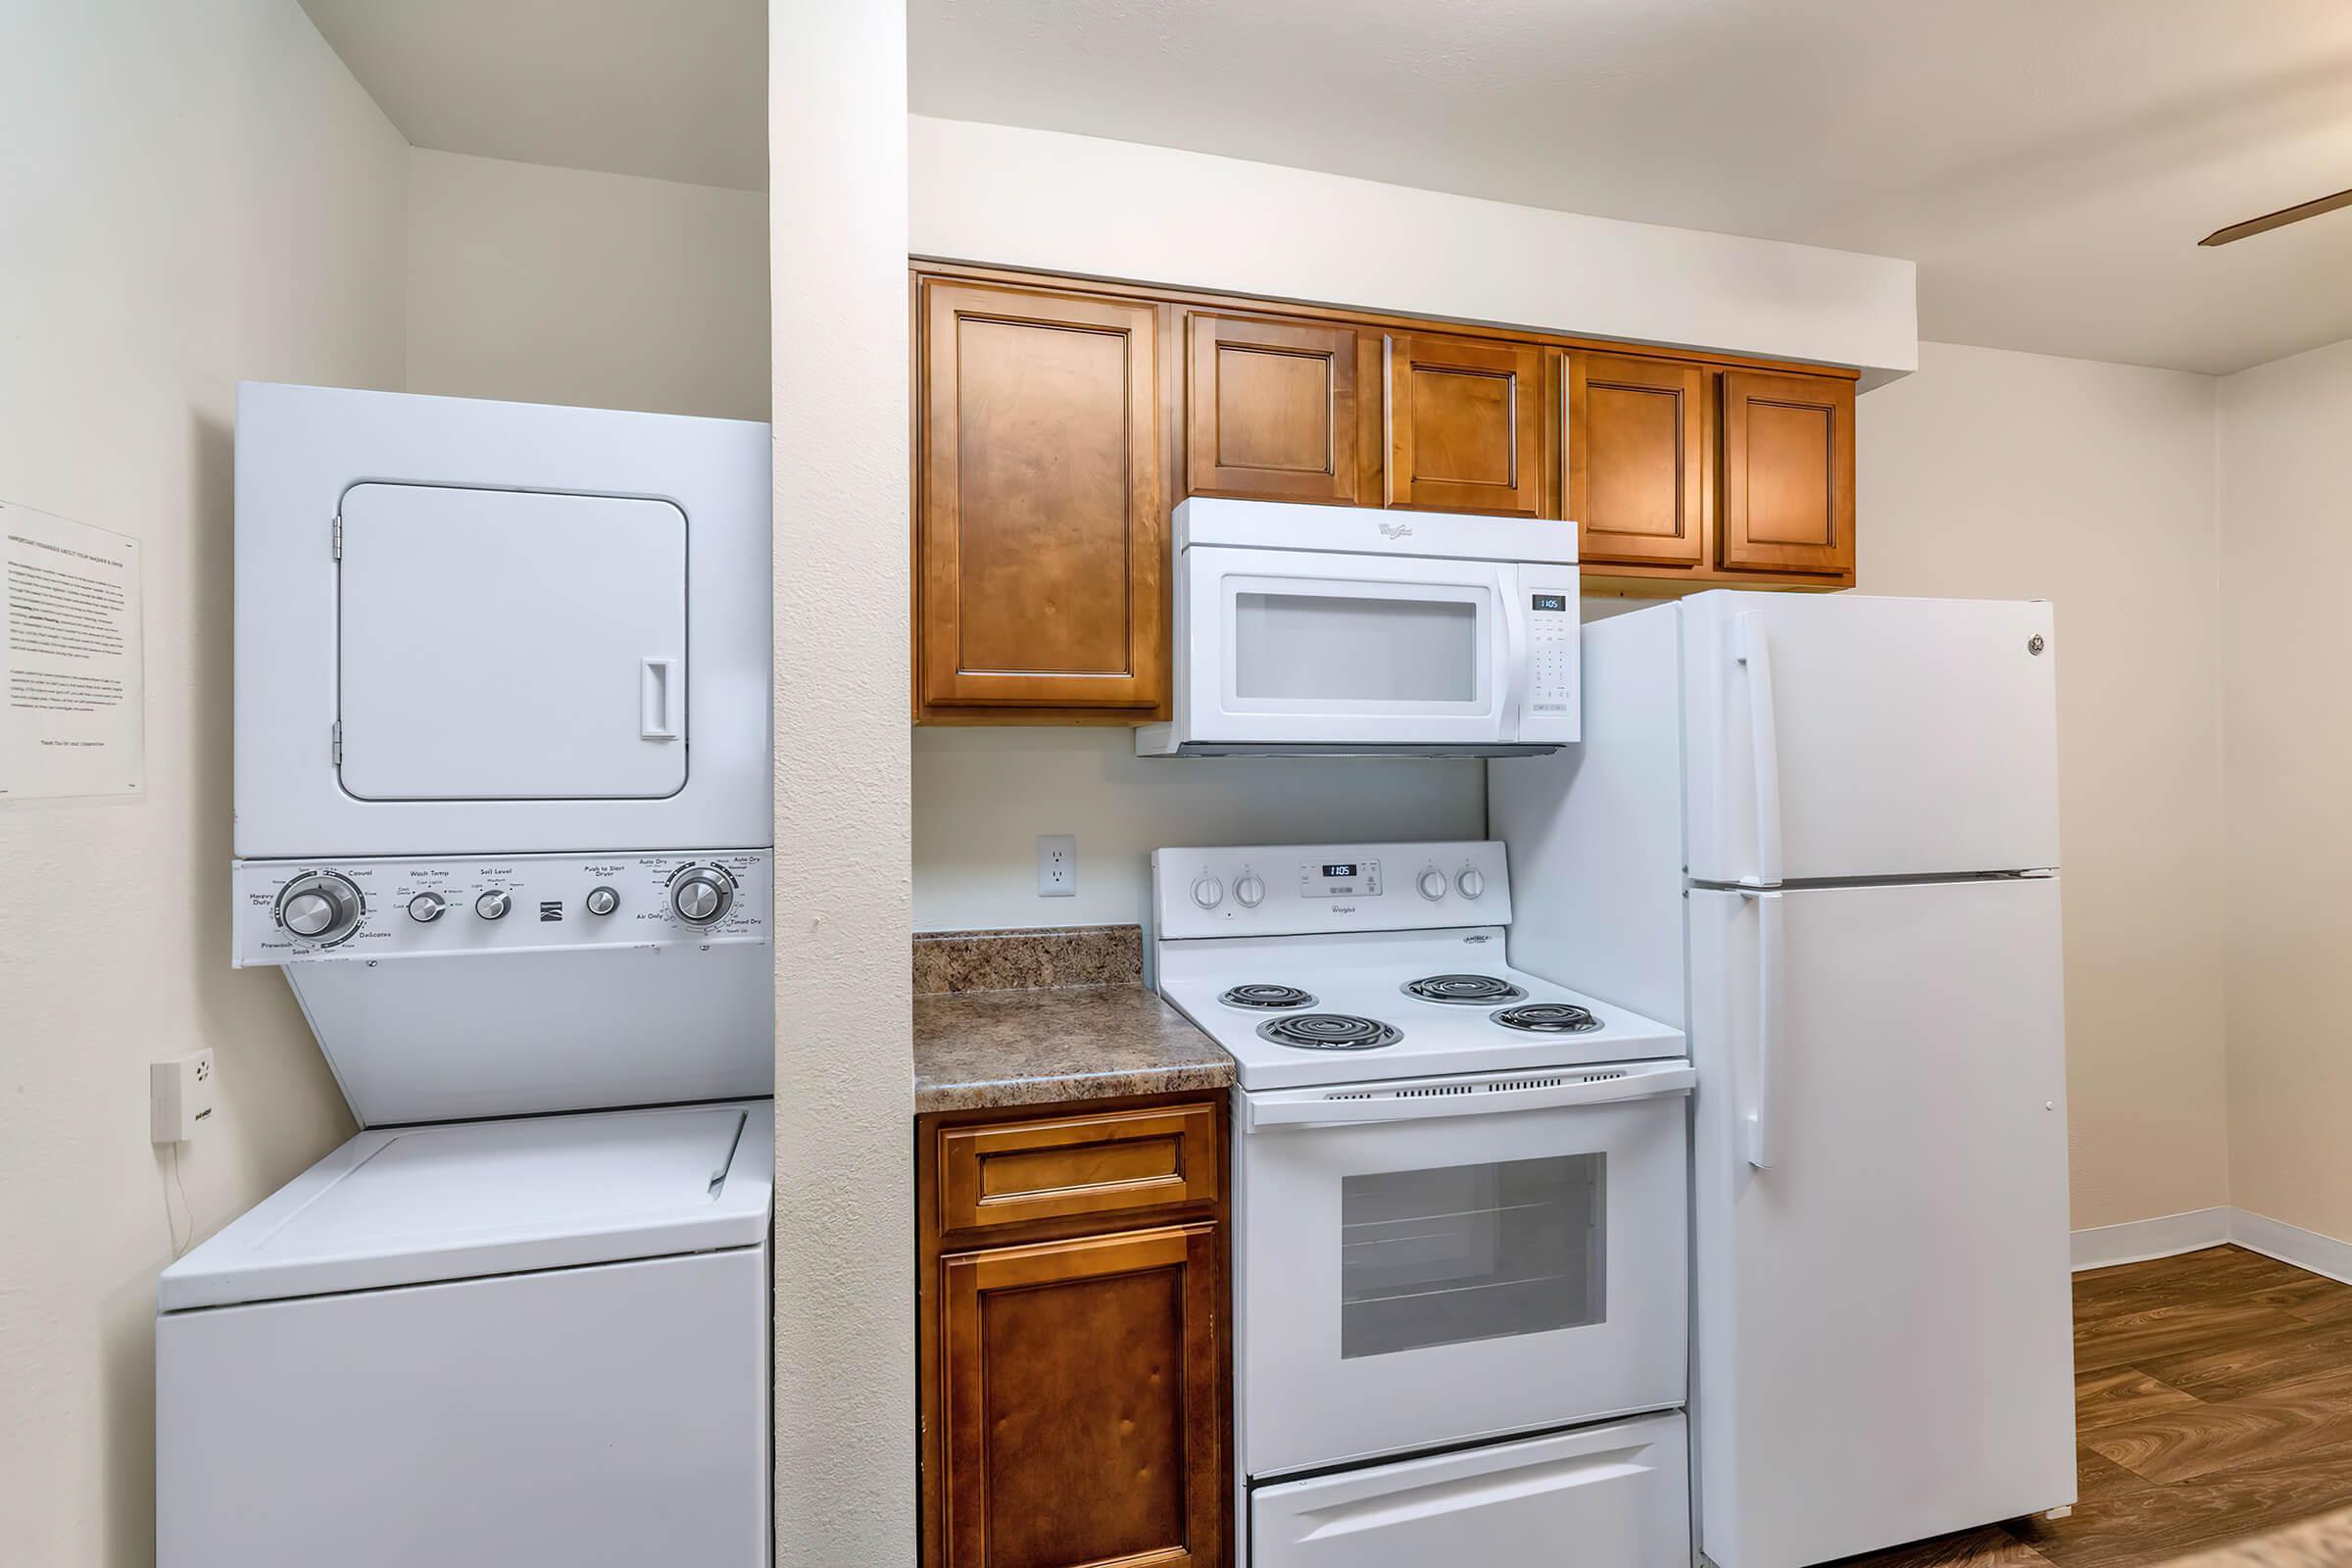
x=338, y=538
x=338, y=743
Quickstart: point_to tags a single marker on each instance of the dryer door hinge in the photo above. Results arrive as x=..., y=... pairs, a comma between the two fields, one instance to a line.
x=338, y=538
x=338, y=743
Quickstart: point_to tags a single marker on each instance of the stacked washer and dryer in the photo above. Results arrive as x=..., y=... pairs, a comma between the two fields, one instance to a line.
x=504, y=814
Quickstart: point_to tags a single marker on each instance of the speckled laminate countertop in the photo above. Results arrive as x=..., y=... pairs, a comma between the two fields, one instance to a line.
x=976, y=1049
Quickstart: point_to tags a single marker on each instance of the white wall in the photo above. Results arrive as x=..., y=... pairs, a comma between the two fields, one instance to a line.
x=982, y=796
x=188, y=195
x=1157, y=214
x=1996, y=474
x=845, y=1062
x=559, y=285
x=2286, y=553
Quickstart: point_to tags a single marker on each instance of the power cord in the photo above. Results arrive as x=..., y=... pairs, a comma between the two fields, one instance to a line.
x=178, y=1248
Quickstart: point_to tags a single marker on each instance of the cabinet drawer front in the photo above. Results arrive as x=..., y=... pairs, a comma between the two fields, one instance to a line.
x=1124, y=1161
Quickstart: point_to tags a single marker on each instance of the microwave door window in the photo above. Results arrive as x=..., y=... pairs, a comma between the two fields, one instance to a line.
x=1329, y=647
x=1462, y=1252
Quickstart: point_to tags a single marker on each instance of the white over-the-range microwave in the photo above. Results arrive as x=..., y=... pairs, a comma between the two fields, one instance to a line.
x=1354, y=631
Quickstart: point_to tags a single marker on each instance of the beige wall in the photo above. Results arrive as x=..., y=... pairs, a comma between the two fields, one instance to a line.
x=558, y=286
x=845, y=1065
x=188, y=195
x=2286, y=536
x=1996, y=474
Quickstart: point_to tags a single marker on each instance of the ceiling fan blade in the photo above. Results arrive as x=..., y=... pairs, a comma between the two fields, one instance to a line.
x=2279, y=220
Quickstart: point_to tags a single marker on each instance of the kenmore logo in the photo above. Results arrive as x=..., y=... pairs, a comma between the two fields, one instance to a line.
x=551, y=910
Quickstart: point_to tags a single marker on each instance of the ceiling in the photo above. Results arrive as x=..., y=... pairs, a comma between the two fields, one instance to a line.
x=2049, y=166
x=672, y=90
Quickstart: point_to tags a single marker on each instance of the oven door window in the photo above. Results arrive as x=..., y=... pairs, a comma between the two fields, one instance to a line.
x=1461, y=1252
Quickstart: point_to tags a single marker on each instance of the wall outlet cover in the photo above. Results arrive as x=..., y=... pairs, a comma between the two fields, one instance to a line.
x=180, y=1097
x=1057, y=865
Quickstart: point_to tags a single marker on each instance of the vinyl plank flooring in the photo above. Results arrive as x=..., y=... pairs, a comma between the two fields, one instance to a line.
x=2124, y=1393
x=2156, y=1524
x=1988, y=1547
x=2113, y=1342
x=2182, y=1443
x=2229, y=1371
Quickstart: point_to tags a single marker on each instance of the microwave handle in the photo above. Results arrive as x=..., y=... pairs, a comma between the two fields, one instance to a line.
x=1514, y=651
x=1304, y=1107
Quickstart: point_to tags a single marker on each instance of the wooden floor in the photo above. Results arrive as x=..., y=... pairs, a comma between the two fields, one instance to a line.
x=2213, y=1404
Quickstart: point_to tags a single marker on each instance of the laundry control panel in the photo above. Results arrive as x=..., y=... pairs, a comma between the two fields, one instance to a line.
x=297, y=911
x=1303, y=889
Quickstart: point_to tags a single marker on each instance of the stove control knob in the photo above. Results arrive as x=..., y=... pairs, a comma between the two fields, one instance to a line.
x=1472, y=882
x=320, y=907
x=1249, y=890
x=493, y=905
x=1432, y=885
x=1208, y=892
x=602, y=901
x=702, y=896
x=426, y=908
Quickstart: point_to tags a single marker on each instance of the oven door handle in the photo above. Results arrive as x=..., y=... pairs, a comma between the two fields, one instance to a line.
x=1464, y=1096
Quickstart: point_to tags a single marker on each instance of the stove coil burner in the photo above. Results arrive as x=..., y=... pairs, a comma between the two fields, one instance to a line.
x=1463, y=990
x=1547, y=1018
x=1267, y=998
x=1330, y=1030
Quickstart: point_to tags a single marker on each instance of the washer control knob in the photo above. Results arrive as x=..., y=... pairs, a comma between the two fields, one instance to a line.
x=602, y=901
x=426, y=908
x=1472, y=882
x=1432, y=885
x=1249, y=890
x=493, y=905
x=320, y=907
x=702, y=896
x=1208, y=892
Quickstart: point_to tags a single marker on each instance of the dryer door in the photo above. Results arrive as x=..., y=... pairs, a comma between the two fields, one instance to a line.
x=510, y=645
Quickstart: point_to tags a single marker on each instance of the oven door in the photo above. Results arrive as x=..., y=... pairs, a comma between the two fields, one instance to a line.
x=1431, y=1261
x=1309, y=647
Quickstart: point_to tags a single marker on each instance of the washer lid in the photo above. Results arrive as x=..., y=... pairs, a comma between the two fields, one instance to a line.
x=418, y=1204
x=510, y=645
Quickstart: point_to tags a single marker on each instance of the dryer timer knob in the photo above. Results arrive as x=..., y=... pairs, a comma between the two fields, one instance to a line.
x=702, y=896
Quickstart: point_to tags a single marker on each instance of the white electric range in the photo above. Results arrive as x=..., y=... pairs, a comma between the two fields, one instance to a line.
x=1461, y=1216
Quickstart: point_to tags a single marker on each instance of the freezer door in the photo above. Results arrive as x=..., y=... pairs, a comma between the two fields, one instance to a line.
x=1615, y=1495
x=1883, y=1349
x=1833, y=736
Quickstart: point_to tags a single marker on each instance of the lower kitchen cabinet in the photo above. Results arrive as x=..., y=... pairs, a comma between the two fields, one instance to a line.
x=1071, y=1294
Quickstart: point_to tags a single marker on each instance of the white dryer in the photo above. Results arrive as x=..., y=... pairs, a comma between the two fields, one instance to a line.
x=504, y=817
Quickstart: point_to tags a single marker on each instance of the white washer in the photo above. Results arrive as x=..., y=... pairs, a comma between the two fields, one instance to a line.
x=504, y=813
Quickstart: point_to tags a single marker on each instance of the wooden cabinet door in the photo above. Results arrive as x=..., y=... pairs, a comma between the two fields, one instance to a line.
x=1081, y=1416
x=1788, y=474
x=1042, y=545
x=1636, y=470
x=1272, y=409
x=1463, y=422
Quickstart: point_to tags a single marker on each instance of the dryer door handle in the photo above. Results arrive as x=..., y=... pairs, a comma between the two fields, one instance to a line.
x=658, y=698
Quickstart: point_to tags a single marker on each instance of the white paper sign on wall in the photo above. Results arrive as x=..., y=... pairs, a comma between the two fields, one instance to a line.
x=72, y=720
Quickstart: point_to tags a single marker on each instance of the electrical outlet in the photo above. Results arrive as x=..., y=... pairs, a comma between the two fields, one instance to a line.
x=1057, y=866
x=180, y=1097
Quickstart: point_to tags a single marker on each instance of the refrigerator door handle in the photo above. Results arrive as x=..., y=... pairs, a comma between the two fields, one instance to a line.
x=1769, y=985
x=1751, y=647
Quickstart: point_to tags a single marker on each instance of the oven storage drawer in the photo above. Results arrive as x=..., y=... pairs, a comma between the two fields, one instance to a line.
x=1615, y=1495
x=1118, y=1162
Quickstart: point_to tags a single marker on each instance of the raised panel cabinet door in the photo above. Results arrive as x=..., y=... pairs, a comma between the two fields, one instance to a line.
x=1272, y=409
x=1464, y=417
x=1040, y=537
x=1637, y=468
x=1081, y=1404
x=1788, y=474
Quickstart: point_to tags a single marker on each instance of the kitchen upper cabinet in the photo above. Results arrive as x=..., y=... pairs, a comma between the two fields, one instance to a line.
x=1464, y=419
x=1787, y=474
x=1081, y=1402
x=1637, y=443
x=1041, y=541
x=1071, y=1305
x=1272, y=409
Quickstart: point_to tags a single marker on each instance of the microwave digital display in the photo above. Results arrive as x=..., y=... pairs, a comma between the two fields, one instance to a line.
x=1556, y=602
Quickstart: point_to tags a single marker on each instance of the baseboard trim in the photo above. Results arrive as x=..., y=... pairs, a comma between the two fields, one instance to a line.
x=2139, y=1239
x=2170, y=1235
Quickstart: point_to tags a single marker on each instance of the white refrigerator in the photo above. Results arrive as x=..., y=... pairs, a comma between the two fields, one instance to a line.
x=1820, y=833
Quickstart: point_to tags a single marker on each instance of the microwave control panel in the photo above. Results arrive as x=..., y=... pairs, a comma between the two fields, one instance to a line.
x=1301, y=889
x=1553, y=630
x=288, y=912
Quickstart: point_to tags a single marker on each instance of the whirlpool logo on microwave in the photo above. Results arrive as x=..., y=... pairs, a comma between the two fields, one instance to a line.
x=1396, y=530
